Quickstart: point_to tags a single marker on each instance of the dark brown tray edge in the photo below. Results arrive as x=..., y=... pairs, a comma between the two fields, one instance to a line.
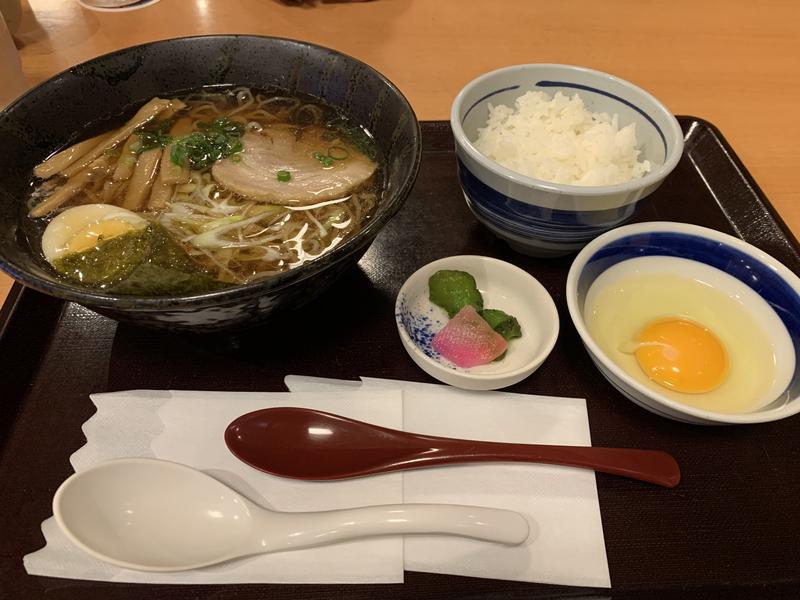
x=745, y=174
x=25, y=323
x=10, y=305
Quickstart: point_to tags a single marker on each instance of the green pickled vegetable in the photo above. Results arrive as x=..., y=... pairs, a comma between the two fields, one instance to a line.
x=453, y=290
x=502, y=323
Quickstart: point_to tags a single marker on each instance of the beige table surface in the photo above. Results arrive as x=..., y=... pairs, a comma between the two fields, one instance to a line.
x=735, y=63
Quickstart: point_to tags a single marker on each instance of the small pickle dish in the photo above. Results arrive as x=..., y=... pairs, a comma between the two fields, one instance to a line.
x=500, y=287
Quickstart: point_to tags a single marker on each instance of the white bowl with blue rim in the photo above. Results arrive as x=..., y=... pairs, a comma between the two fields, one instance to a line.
x=764, y=287
x=503, y=286
x=541, y=218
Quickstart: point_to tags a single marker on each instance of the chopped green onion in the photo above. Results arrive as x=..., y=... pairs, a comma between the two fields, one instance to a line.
x=355, y=135
x=215, y=140
x=326, y=160
x=152, y=136
x=284, y=176
x=338, y=153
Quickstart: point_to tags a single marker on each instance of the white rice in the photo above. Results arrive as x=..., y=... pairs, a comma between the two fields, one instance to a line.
x=557, y=139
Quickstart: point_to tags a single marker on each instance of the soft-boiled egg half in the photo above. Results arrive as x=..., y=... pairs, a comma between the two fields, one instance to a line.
x=691, y=333
x=85, y=227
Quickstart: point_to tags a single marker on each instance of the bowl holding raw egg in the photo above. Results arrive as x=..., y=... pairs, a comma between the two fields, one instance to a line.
x=690, y=323
x=551, y=156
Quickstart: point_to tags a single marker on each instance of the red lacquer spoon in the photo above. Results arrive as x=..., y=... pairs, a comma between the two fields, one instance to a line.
x=312, y=445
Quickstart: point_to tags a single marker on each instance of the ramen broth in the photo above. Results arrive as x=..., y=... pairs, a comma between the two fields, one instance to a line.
x=247, y=184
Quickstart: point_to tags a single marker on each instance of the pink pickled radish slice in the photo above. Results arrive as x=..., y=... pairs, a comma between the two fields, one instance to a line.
x=467, y=340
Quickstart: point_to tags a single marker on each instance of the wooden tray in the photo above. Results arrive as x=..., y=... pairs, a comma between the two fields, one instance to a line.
x=731, y=529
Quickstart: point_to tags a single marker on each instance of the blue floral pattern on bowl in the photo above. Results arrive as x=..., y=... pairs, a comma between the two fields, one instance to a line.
x=421, y=326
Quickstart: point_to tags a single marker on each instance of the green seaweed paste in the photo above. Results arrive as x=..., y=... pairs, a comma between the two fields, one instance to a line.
x=146, y=263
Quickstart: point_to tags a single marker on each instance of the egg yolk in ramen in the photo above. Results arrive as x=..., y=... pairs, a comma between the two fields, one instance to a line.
x=681, y=355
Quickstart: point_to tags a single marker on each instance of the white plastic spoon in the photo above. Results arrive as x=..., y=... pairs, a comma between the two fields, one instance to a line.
x=155, y=515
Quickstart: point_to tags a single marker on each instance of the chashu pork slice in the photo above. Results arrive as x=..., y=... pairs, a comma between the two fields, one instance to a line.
x=254, y=171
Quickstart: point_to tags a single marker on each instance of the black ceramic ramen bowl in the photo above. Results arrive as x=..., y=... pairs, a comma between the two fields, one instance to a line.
x=100, y=93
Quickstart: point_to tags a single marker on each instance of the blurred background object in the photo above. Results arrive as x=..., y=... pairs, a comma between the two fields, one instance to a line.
x=315, y=2
x=115, y=5
x=12, y=81
x=12, y=12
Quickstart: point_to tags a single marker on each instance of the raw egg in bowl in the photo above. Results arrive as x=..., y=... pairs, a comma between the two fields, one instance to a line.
x=690, y=323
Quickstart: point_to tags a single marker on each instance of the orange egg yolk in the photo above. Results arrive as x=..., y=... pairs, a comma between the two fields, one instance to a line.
x=681, y=355
x=92, y=235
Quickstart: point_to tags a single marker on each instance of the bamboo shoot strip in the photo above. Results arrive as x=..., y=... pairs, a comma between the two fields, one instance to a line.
x=127, y=159
x=142, y=179
x=112, y=189
x=65, y=158
x=175, y=106
x=73, y=185
x=145, y=114
x=160, y=194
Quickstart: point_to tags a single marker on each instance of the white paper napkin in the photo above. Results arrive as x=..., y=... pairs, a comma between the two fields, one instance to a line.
x=566, y=545
x=188, y=427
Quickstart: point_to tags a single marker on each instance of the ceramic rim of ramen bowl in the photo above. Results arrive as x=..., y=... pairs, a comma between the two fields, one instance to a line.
x=74, y=105
x=774, y=284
